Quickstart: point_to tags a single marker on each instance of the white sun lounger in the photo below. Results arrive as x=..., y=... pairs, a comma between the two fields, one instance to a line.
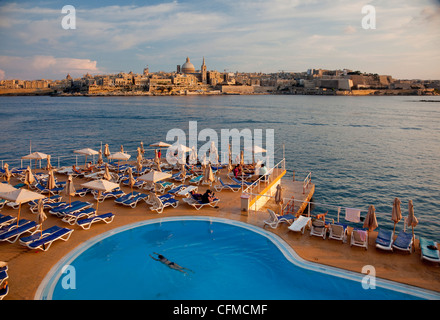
x=276, y=219
x=300, y=224
x=338, y=232
x=318, y=229
x=46, y=239
x=359, y=238
x=186, y=192
x=87, y=223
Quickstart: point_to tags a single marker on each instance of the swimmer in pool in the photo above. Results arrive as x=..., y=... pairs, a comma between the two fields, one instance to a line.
x=170, y=264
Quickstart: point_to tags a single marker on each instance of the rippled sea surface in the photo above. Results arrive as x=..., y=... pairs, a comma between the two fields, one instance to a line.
x=360, y=150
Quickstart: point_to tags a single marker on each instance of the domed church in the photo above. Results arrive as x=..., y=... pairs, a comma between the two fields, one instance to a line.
x=188, y=67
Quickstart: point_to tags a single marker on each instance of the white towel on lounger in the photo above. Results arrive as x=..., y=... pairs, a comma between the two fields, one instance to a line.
x=352, y=215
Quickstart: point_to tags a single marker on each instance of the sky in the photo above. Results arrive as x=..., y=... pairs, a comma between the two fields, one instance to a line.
x=233, y=35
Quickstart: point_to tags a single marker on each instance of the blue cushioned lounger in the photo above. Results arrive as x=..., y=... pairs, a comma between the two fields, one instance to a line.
x=15, y=232
x=403, y=241
x=429, y=250
x=87, y=223
x=46, y=241
x=384, y=240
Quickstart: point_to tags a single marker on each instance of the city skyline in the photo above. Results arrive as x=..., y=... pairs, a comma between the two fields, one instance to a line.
x=244, y=36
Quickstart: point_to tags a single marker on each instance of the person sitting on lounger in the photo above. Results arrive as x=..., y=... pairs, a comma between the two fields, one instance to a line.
x=208, y=197
x=89, y=167
x=197, y=196
x=169, y=263
x=237, y=171
x=78, y=171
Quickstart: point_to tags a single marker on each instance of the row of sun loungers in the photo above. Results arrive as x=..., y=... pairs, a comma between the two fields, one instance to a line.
x=359, y=237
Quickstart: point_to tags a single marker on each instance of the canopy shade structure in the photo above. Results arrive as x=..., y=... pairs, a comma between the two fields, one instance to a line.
x=160, y=144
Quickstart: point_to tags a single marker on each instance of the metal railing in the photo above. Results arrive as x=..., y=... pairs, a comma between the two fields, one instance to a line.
x=253, y=190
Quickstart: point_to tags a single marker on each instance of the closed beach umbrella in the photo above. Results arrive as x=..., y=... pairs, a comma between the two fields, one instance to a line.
x=106, y=151
x=142, y=148
x=20, y=196
x=230, y=168
x=100, y=157
x=411, y=220
x=279, y=197
x=29, y=177
x=131, y=180
x=157, y=161
x=41, y=215
x=122, y=148
x=208, y=176
x=213, y=153
x=50, y=180
x=242, y=158
x=139, y=154
x=7, y=172
x=101, y=186
x=396, y=214
x=48, y=165
x=69, y=189
x=107, y=175
x=139, y=164
x=193, y=156
x=370, y=221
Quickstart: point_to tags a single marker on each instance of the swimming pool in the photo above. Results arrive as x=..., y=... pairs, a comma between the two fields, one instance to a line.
x=231, y=260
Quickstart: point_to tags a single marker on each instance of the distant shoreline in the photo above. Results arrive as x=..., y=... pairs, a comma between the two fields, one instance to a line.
x=357, y=93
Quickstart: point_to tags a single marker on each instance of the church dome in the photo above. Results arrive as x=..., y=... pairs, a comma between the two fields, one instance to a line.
x=188, y=67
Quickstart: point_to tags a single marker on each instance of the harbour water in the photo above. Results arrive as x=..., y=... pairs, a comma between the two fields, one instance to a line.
x=360, y=150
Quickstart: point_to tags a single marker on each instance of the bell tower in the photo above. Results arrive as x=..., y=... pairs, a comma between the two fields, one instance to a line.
x=203, y=72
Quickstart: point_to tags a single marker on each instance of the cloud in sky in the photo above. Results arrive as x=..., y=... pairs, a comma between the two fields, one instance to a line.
x=243, y=35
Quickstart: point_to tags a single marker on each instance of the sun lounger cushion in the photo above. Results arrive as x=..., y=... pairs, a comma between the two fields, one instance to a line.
x=14, y=233
x=403, y=241
x=86, y=223
x=384, y=239
x=429, y=250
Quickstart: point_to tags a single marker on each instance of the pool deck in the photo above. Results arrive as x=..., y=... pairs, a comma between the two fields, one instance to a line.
x=28, y=268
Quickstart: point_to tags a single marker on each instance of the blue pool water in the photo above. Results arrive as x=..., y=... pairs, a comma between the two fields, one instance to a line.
x=229, y=259
x=361, y=150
